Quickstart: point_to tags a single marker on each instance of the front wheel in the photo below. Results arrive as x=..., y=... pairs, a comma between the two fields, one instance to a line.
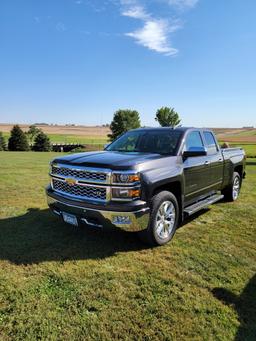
x=231, y=193
x=163, y=221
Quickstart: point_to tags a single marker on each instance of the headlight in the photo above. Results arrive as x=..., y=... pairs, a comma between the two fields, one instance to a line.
x=125, y=193
x=126, y=178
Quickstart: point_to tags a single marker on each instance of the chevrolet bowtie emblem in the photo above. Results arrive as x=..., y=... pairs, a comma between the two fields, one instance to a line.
x=70, y=181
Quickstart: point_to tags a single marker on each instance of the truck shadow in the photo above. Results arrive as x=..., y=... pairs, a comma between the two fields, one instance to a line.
x=245, y=305
x=38, y=236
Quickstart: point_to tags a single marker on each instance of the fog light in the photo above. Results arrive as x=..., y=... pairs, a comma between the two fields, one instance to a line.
x=118, y=220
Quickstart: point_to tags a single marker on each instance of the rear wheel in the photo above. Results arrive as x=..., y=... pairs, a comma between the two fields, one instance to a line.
x=164, y=218
x=231, y=193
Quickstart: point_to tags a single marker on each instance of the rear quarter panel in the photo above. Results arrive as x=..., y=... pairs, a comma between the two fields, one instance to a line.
x=233, y=157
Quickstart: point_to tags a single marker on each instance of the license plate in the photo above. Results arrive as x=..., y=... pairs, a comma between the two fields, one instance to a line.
x=70, y=219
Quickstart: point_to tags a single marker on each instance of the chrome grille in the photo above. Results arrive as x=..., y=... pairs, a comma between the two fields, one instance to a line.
x=89, y=192
x=79, y=174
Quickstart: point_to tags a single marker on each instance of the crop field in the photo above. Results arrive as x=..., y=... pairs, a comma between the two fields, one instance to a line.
x=62, y=283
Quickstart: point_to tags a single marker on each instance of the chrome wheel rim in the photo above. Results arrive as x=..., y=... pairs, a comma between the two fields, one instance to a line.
x=236, y=188
x=165, y=219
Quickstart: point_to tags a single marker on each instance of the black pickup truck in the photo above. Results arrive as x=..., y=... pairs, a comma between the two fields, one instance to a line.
x=148, y=181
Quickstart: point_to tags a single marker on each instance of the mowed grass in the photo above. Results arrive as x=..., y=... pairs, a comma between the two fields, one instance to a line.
x=71, y=138
x=60, y=283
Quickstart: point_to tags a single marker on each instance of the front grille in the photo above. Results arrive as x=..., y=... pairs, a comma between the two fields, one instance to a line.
x=80, y=174
x=97, y=193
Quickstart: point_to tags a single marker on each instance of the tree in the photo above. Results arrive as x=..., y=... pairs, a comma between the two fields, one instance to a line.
x=18, y=140
x=32, y=132
x=123, y=121
x=2, y=142
x=42, y=143
x=167, y=117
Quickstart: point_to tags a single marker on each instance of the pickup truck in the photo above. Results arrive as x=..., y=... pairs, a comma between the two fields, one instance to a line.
x=147, y=181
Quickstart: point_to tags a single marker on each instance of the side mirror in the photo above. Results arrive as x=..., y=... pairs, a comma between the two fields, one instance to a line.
x=194, y=151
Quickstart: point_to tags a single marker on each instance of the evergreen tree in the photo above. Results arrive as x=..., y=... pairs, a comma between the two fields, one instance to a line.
x=42, y=143
x=18, y=140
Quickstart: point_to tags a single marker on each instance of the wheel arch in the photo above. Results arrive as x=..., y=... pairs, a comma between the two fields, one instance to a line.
x=174, y=187
x=239, y=169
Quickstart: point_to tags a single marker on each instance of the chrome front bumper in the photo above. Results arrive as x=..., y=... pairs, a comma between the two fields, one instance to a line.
x=134, y=221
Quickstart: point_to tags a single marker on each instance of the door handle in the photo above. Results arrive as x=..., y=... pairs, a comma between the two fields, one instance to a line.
x=220, y=160
x=207, y=162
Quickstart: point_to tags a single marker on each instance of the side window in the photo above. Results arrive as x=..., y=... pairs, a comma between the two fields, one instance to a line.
x=210, y=143
x=194, y=140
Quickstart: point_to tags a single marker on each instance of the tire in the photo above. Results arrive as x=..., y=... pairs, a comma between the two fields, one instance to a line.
x=163, y=222
x=231, y=192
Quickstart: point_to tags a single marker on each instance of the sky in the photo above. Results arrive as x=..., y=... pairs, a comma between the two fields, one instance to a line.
x=78, y=61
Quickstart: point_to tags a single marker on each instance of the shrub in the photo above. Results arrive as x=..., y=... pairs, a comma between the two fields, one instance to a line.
x=18, y=140
x=78, y=150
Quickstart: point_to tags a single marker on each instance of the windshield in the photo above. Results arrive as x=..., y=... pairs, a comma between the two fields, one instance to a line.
x=152, y=141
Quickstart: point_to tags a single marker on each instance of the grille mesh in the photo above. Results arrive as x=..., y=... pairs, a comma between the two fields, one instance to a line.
x=80, y=191
x=79, y=174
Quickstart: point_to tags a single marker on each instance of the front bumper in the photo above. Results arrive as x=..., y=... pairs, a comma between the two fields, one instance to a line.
x=134, y=220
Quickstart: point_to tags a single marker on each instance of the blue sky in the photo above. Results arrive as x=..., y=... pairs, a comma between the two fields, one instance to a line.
x=77, y=61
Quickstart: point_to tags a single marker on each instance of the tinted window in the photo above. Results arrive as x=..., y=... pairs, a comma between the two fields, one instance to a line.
x=194, y=140
x=143, y=141
x=210, y=142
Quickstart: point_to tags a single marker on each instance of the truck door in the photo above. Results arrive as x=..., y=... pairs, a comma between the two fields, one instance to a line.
x=215, y=158
x=196, y=169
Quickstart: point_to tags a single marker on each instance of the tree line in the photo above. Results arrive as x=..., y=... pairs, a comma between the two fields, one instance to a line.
x=123, y=120
x=34, y=139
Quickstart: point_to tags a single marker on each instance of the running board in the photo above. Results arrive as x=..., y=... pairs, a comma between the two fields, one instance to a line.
x=202, y=204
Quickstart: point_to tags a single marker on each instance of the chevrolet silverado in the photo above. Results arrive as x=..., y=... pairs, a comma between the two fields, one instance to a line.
x=147, y=181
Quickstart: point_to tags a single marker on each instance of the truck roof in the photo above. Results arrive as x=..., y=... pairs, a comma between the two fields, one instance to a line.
x=183, y=129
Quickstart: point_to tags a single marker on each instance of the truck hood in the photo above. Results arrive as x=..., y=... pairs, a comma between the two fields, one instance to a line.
x=106, y=159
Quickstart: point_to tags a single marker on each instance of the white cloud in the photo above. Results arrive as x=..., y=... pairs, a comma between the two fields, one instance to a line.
x=154, y=36
x=182, y=4
x=136, y=12
x=155, y=32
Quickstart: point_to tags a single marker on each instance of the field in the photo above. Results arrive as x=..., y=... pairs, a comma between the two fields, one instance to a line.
x=96, y=137
x=68, y=134
x=245, y=138
x=59, y=283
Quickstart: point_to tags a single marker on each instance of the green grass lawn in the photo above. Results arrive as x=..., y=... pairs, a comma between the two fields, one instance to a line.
x=69, y=138
x=60, y=283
